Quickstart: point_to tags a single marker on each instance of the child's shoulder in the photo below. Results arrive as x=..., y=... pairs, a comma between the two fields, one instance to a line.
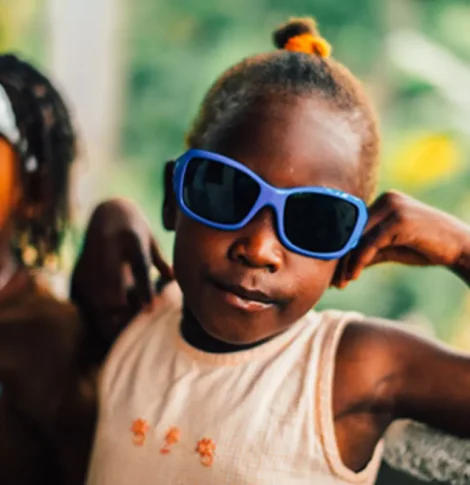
x=40, y=339
x=377, y=339
x=378, y=335
x=40, y=316
x=375, y=351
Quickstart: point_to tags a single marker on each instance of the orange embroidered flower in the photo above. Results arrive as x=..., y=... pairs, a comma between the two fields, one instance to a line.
x=206, y=450
x=309, y=44
x=172, y=436
x=139, y=429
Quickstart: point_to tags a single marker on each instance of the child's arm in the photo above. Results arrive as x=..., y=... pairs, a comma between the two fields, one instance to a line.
x=403, y=230
x=404, y=375
x=112, y=278
x=384, y=373
x=415, y=377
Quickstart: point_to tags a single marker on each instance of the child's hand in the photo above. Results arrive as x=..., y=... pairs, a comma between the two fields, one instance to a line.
x=403, y=230
x=112, y=279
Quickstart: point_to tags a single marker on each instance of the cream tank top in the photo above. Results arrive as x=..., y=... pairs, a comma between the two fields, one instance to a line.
x=171, y=414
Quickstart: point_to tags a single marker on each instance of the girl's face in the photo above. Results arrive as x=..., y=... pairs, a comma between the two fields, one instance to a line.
x=289, y=143
x=9, y=186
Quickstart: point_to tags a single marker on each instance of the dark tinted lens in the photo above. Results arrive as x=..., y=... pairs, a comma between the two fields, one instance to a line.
x=218, y=192
x=319, y=223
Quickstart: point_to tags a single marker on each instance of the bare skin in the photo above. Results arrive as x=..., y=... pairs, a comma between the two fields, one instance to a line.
x=119, y=241
x=382, y=372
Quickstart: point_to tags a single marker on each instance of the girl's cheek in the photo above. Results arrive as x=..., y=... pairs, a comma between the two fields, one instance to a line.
x=8, y=181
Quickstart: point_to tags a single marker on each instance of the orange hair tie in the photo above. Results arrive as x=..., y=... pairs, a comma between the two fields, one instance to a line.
x=309, y=44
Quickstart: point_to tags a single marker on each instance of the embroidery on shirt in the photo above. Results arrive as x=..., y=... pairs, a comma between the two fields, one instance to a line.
x=139, y=429
x=172, y=436
x=206, y=450
x=205, y=447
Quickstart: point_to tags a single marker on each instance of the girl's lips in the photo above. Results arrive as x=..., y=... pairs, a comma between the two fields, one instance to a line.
x=243, y=304
x=243, y=298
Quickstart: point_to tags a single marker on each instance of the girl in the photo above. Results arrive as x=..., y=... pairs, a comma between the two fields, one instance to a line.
x=244, y=383
x=47, y=358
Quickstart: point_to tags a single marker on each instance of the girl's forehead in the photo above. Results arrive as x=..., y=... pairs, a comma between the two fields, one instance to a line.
x=304, y=142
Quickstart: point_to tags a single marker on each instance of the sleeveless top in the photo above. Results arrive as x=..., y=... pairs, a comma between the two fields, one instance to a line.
x=171, y=414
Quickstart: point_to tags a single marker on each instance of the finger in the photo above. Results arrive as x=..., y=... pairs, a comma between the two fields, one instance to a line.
x=339, y=280
x=378, y=211
x=139, y=262
x=158, y=260
x=375, y=240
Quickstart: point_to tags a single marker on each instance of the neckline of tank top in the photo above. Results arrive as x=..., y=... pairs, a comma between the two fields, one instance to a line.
x=195, y=335
x=243, y=356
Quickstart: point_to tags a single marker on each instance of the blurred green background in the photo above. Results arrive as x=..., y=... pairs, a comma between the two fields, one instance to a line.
x=412, y=55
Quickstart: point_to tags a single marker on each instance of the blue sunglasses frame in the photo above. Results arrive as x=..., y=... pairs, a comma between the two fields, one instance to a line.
x=269, y=196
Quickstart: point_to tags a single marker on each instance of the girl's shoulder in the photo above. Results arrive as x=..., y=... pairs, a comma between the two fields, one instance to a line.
x=379, y=353
x=40, y=339
x=35, y=314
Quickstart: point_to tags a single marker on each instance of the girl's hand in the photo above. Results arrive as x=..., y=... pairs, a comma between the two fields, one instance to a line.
x=112, y=279
x=403, y=230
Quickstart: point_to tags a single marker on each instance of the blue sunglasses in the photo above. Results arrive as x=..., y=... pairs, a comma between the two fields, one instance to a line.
x=224, y=194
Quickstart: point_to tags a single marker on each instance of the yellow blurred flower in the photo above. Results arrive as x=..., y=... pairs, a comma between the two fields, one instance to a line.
x=425, y=160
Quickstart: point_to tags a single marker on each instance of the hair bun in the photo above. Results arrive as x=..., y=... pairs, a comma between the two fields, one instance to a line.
x=301, y=35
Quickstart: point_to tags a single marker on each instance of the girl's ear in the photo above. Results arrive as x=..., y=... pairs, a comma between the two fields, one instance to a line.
x=169, y=200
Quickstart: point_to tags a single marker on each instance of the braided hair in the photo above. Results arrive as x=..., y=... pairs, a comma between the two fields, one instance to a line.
x=301, y=67
x=46, y=150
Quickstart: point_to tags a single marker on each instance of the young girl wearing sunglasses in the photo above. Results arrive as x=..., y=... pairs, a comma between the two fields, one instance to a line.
x=239, y=381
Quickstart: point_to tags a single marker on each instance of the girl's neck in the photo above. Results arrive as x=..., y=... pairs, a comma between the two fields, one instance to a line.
x=196, y=336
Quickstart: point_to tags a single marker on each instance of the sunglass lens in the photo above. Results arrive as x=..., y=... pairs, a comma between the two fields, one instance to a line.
x=319, y=223
x=218, y=192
